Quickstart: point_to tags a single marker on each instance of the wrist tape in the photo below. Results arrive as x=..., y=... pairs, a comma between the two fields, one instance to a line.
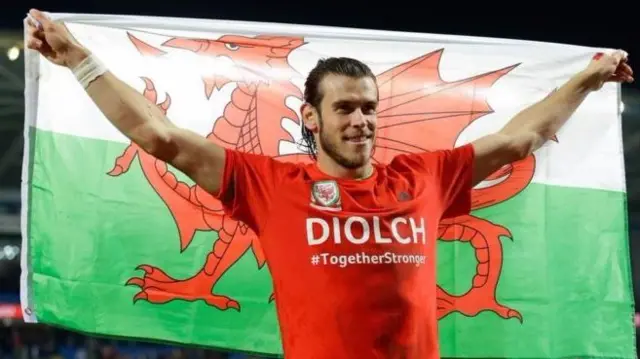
x=88, y=70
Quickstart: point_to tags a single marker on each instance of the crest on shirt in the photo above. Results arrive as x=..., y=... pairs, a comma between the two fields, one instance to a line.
x=325, y=195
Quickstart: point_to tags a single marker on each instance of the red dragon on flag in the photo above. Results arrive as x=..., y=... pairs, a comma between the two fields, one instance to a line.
x=418, y=111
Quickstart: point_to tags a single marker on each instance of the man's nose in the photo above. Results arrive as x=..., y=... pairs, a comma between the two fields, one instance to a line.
x=358, y=119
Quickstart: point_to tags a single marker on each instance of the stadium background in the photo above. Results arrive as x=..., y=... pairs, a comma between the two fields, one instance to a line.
x=18, y=340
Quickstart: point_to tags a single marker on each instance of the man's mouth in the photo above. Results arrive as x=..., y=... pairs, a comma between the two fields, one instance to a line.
x=358, y=139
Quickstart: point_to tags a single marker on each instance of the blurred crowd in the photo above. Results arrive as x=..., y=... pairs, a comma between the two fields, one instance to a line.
x=22, y=341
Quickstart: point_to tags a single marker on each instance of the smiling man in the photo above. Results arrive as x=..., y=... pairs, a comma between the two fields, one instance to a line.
x=353, y=275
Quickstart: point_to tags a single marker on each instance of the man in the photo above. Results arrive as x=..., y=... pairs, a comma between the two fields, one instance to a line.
x=340, y=290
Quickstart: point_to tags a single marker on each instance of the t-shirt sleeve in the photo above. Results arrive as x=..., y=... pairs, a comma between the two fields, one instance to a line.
x=248, y=187
x=452, y=172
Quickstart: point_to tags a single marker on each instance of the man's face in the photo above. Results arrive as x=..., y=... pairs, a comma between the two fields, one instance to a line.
x=347, y=124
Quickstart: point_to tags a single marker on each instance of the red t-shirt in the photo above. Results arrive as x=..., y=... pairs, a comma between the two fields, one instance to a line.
x=352, y=261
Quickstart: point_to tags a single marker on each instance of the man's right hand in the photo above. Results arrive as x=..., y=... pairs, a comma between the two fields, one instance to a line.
x=130, y=112
x=53, y=40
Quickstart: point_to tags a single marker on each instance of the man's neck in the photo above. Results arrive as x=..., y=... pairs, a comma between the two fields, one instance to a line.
x=331, y=168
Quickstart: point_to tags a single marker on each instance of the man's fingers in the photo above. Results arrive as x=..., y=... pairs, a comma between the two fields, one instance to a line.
x=34, y=37
x=30, y=25
x=625, y=68
x=32, y=31
x=40, y=16
x=625, y=55
x=621, y=77
x=34, y=43
x=623, y=73
x=34, y=23
x=626, y=77
x=619, y=56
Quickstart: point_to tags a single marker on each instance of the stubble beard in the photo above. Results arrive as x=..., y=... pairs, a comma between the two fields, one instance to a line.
x=331, y=149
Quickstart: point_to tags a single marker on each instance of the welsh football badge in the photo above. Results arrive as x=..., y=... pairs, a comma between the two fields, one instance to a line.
x=325, y=195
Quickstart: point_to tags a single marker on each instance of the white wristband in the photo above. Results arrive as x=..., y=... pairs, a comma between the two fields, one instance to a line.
x=88, y=70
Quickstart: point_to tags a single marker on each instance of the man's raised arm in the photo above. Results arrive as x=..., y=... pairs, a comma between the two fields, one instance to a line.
x=535, y=125
x=129, y=111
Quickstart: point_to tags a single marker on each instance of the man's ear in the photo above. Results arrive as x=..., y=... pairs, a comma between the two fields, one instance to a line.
x=309, y=117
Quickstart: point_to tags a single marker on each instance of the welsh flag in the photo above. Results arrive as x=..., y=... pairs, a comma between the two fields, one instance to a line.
x=118, y=243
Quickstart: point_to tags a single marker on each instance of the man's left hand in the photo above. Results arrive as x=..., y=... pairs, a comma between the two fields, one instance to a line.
x=605, y=68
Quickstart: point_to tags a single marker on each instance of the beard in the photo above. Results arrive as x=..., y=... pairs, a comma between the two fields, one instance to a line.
x=331, y=148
